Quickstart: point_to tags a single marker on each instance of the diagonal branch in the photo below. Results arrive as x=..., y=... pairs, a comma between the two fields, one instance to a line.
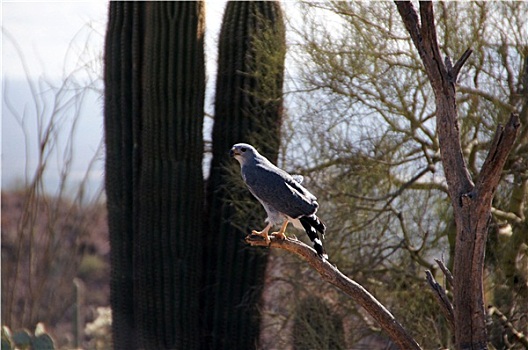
x=410, y=20
x=331, y=274
x=443, y=301
x=460, y=63
x=434, y=64
x=445, y=270
x=501, y=146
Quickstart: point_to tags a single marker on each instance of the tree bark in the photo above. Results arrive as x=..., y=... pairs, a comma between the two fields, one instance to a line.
x=471, y=202
x=331, y=274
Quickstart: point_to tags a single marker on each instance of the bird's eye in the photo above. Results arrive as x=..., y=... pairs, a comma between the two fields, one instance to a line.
x=243, y=149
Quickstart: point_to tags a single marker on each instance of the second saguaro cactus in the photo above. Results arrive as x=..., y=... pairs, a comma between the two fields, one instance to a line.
x=248, y=108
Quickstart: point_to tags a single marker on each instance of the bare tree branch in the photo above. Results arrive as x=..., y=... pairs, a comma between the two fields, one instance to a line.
x=445, y=270
x=501, y=146
x=443, y=301
x=519, y=336
x=331, y=274
x=506, y=215
x=424, y=38
x=460, y=63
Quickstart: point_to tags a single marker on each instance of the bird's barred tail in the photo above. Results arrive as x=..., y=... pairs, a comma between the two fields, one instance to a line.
x=311, y=225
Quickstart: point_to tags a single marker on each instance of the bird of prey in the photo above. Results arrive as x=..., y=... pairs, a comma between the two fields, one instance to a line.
x=281, y=194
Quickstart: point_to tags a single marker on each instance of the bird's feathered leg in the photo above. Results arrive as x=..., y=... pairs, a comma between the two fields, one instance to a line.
x=280, y=234
x=263, y=233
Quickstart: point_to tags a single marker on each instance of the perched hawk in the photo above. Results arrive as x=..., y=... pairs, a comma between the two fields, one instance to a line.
x=281, y=194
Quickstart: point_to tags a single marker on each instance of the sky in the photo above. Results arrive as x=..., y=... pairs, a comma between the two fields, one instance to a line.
x=55, y=39
x=44, y=31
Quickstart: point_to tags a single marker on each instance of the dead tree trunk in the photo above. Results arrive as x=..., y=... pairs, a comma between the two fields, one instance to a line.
x=471, y=201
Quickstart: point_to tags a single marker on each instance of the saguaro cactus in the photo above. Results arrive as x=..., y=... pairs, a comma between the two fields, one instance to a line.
x=316, y=326
x=155, y=83
x=171, y=180
x=248, y=105
x=122, y=121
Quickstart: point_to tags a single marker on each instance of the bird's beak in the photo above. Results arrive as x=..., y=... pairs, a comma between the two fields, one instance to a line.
x=233, y=152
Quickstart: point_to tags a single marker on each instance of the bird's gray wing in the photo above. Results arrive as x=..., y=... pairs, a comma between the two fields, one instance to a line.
x=279, y=190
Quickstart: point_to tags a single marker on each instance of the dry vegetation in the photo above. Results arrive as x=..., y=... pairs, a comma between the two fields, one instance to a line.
x=46, y=244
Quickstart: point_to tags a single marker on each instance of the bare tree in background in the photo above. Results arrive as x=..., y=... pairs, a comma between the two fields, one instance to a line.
x=471, y=198
x=46, y=228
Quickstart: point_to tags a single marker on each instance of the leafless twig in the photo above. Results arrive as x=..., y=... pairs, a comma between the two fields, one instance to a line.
x=442, y=299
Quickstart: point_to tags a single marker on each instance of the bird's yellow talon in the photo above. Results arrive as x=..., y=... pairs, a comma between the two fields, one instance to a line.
x=263, y=233
x=279, y=235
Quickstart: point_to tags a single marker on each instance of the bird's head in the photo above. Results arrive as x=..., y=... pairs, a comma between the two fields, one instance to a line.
x=243, y=152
